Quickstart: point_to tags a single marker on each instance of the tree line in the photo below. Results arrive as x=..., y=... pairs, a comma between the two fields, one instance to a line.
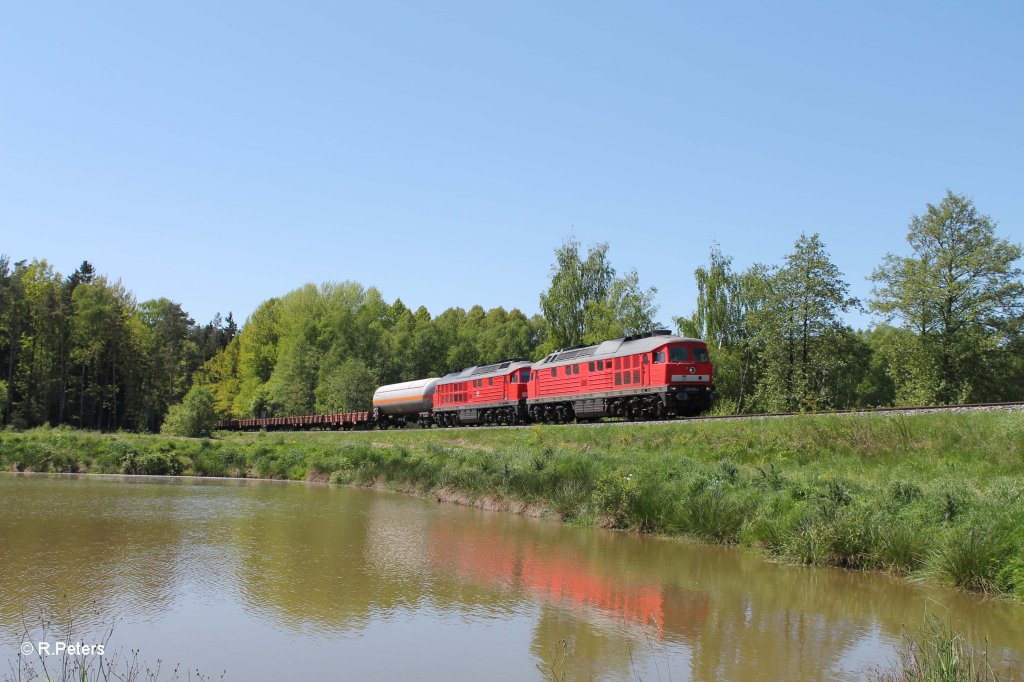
x=79, y=350
x=950, y=328
x=950, y=321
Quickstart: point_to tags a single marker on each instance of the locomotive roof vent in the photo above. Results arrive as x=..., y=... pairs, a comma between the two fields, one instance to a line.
x=572, y=353
x=647, y=335
x=500, y=364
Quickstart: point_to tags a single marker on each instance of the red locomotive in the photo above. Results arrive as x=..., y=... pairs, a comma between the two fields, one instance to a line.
x=647, y=376
x=654, y=375
x=490, y=394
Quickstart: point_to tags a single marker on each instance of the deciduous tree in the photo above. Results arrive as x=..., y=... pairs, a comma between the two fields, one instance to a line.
x=956, y=291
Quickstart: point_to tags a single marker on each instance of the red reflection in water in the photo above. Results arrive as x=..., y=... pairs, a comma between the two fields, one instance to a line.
x=487, y=556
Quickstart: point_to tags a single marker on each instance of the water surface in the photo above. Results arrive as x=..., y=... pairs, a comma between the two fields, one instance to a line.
x=279, y=581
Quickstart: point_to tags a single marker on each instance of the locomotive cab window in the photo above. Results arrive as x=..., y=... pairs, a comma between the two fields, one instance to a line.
x=524, y=376
x=700, y=354
x=678, y=354
x=659, y=357
x=513, y=379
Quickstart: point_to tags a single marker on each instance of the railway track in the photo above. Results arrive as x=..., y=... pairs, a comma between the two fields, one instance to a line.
x=1017, y=406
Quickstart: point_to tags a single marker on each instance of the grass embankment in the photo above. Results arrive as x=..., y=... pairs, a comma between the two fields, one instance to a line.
x=939, y=495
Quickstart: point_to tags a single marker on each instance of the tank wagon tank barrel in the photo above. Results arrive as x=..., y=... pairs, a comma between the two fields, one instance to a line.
x=400, y=404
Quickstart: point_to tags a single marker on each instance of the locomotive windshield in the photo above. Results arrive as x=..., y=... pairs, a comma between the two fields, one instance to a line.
x=678, y=354
x=700, y=354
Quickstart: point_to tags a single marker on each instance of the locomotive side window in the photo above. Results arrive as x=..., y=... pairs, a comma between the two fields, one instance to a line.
x=678, y=354
x=645, y=358
x=513, y=379
x=591, y=367
x=490, y=382
x=600, y=365
x=659, y=357
x=554, y=371
x=700, y=354
x=525, y=375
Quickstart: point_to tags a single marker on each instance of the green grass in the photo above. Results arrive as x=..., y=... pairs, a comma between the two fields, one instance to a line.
x=938, y=496
x=937, y=653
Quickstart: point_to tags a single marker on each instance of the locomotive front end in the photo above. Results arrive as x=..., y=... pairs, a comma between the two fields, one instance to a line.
x=689, y=376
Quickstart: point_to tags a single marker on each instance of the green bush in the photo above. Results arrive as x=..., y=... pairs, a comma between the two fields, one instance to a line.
x=161, y=464
x=901, y=545
x=193, y=416
x=974, y=556
x=614, y=494
x=208, y=462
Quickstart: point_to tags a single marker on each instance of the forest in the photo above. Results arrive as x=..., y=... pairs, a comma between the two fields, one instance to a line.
x=948, y=327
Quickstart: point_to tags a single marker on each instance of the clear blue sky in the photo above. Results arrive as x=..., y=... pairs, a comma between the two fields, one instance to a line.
x=223, y=153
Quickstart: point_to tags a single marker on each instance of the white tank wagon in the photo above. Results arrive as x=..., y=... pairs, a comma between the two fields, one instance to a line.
x=409, y=401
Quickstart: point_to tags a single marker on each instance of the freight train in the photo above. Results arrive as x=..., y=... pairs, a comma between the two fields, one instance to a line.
x=647, y=376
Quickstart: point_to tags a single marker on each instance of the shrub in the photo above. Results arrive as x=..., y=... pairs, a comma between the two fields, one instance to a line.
x=901, y=545
x=952, y=502
x=194, y=416
x=973, y=556
x=208, y=462
x=613, y=495
x=160, y=464
x=901, y=493
x=715, y=514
